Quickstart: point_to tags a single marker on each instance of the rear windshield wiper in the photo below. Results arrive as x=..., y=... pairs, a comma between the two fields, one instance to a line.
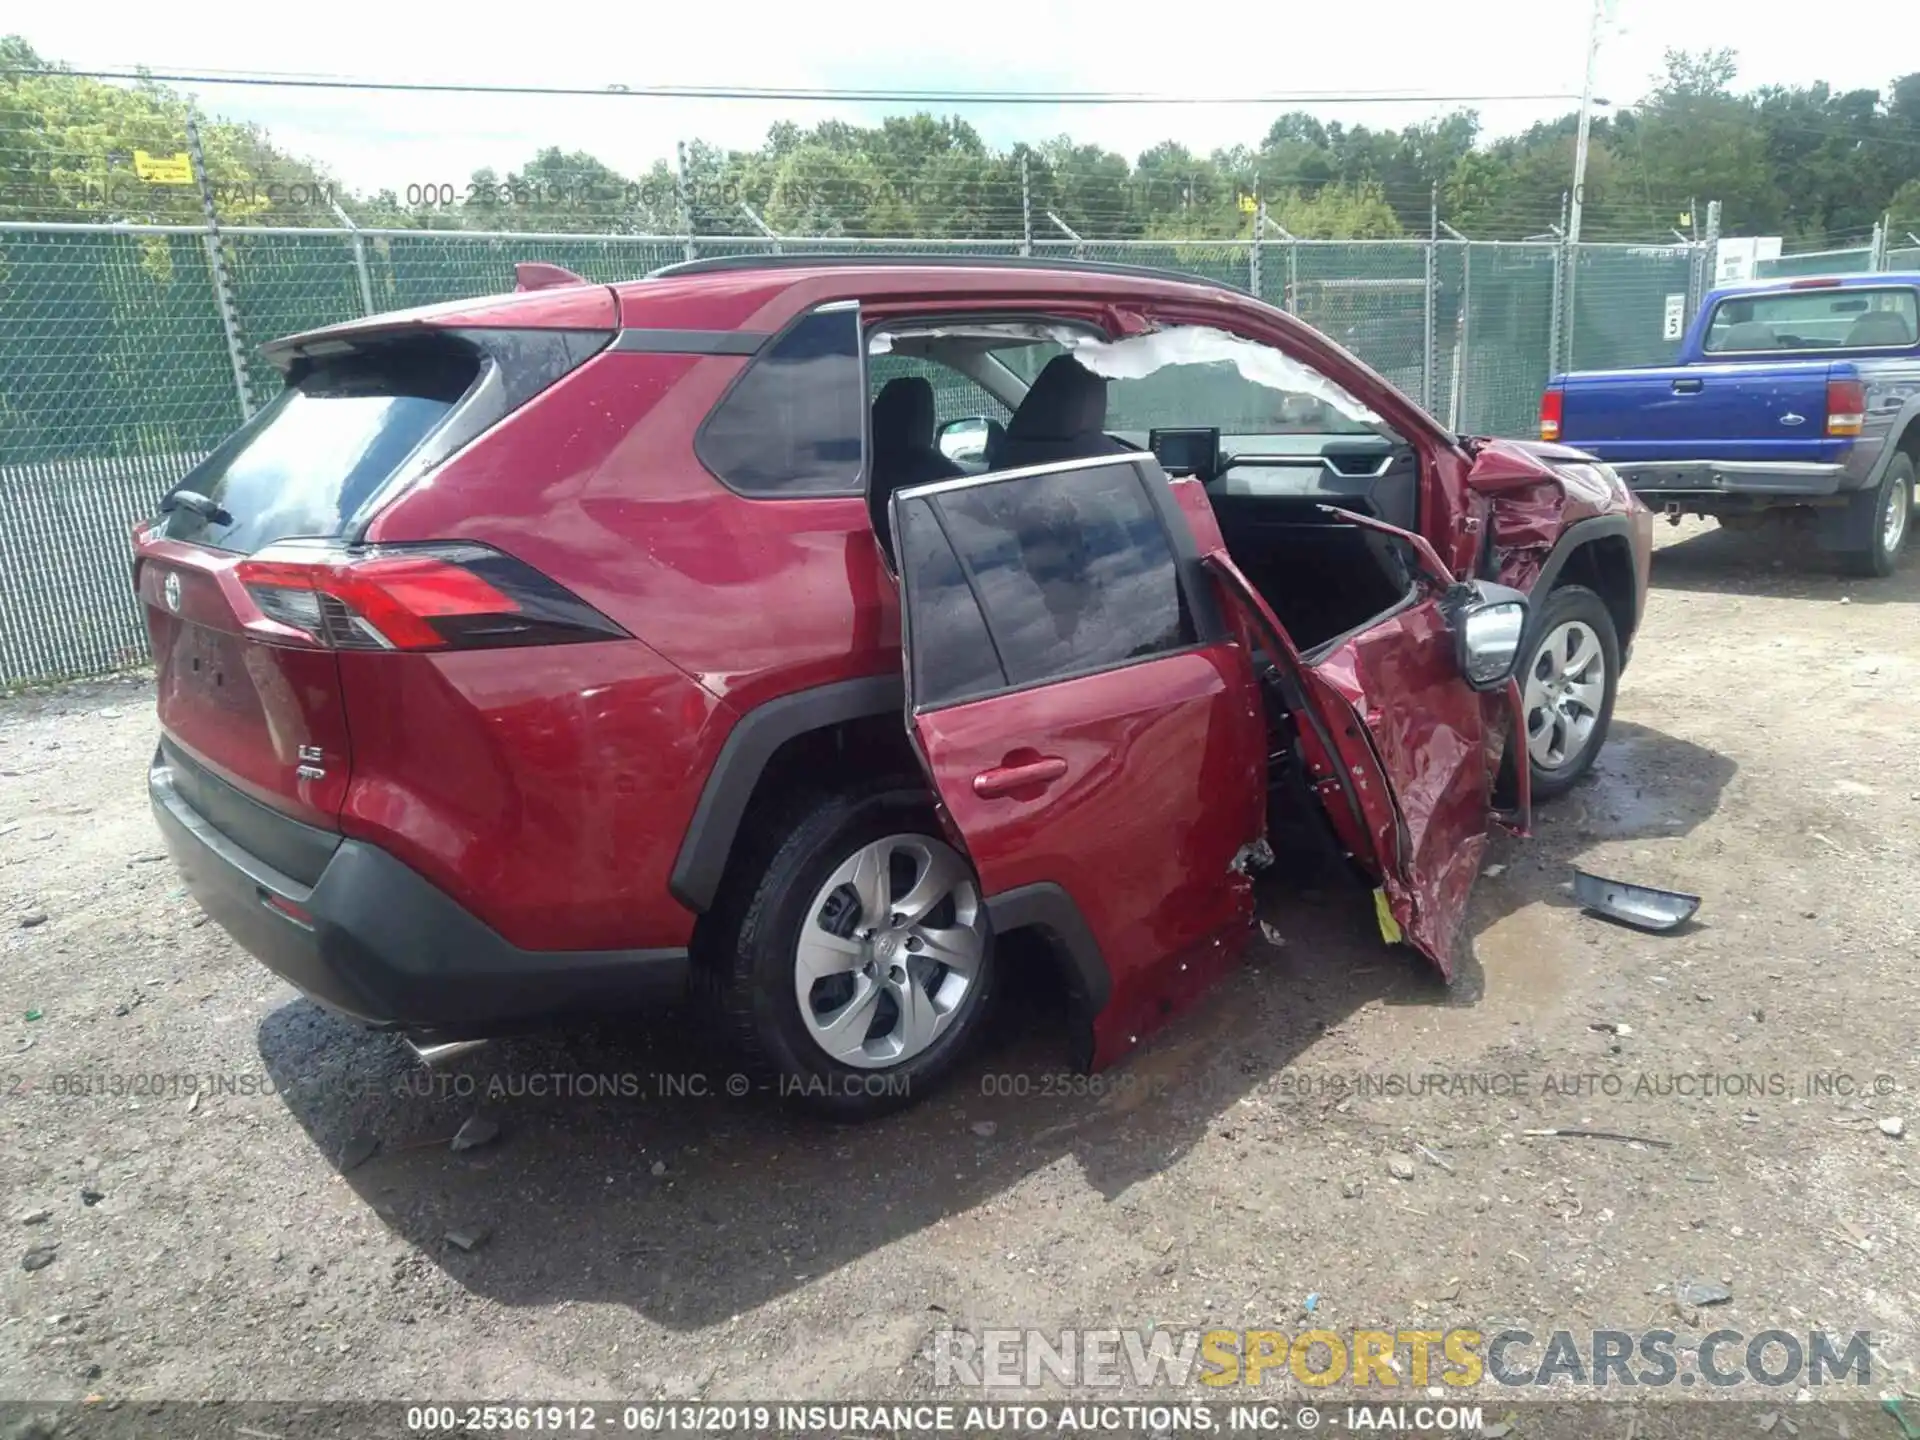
x=207, y=509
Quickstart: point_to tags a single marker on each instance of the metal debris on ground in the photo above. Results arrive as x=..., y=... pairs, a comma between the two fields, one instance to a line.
x=467, y=1239
x=1702, y=1292
x=357, y=1151
x=478, y=1130
x=1557, y=1133
x=1644, y=907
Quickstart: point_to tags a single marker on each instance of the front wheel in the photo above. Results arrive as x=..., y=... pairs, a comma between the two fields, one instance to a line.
x=1892, y=512
x=855, y=967
x=1567, y=687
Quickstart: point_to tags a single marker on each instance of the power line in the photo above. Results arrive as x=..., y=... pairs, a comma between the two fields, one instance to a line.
x=754, y=92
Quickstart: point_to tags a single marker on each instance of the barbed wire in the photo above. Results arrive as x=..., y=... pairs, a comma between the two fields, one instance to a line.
x=44, y=180
x=295, y=80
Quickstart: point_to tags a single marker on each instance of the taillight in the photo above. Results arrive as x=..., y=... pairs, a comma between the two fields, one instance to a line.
x=417, y=597
x=1551, y=406
x=1846, y=407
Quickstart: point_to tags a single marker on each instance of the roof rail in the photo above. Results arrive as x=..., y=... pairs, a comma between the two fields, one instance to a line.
x=721, y=263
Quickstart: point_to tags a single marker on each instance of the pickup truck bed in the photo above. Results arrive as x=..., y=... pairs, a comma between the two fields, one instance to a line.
x=1793, y=410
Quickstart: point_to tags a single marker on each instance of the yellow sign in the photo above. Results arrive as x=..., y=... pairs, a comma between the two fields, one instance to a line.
x=1248, y=205
x=176, y=169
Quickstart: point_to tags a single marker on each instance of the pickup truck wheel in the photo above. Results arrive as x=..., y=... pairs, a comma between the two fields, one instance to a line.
x=857, y=964
x=1567, y=687
x=1892, y=512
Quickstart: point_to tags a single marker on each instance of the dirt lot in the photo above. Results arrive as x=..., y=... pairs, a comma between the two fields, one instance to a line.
x=1763, y=755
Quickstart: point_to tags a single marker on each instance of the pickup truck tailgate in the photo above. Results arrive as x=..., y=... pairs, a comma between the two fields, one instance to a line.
x=1768, y=411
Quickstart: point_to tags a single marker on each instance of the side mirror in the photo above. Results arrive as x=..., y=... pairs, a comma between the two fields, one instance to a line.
x=964, y=440
x=1488, y=623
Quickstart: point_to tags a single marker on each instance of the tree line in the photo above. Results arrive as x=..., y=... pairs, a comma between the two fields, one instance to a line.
x=1809, y=163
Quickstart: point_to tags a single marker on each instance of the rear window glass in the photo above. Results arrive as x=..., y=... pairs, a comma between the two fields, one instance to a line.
x=796, y=421
x=307, y=462
x=1837, y=318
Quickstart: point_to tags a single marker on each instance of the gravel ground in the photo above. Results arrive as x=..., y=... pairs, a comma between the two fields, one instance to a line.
x=644, y=1245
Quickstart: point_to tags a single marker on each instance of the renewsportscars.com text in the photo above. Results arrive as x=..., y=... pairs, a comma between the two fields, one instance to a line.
x=1369, y=1360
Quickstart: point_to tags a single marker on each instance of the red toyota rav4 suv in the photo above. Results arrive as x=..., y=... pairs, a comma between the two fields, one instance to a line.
x=783, y=631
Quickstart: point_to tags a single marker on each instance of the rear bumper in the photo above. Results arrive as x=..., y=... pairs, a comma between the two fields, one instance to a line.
x=1657, y=481
x=387, y=947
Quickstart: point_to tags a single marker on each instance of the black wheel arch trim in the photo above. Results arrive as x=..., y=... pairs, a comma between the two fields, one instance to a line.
x=1905, y=423
x=743, y=758
x=1578, y=534
x=1048, y=907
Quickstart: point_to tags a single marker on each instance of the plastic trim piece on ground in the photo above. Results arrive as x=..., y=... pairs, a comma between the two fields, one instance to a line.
x=1640, y=906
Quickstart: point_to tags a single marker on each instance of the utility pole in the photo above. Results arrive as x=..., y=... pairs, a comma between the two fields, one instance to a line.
x=1586, y=124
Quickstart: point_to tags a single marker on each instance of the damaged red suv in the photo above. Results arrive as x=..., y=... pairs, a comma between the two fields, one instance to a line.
x=780, y=633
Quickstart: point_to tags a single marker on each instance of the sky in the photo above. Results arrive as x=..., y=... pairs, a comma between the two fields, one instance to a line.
x=372, y=141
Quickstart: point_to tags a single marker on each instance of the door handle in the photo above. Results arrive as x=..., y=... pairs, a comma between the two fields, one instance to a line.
x=1005, y=778
x=1686, y=387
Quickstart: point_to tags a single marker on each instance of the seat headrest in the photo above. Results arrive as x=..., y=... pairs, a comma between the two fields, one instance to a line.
x=1880, y=327
x=1749, y=335
x=1067, y=401
x=903, y=415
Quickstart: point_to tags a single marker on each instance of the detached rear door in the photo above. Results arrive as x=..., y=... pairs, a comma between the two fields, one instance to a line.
x=1089, y=724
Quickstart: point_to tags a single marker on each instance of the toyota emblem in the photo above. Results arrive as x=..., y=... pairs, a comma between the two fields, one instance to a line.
x=172, y=591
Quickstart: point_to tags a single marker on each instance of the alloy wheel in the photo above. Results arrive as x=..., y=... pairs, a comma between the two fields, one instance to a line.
x=1565, y=686
x=889, y=951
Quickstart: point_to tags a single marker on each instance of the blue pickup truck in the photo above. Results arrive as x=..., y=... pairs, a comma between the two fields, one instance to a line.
x=1798, y=395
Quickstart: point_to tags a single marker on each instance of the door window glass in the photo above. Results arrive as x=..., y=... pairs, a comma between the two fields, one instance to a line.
x=1072, y=569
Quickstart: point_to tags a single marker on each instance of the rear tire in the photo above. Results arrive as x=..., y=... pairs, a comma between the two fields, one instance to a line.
x=1567, y=687
x=1892, y=522
x=804, y=958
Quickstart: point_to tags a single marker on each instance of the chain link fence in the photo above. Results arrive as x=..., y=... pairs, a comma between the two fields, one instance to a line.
x=1816, y=262
x=117, y=365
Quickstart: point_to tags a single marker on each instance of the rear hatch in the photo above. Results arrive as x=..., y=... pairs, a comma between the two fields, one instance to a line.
x=1771, y=410
x=245, y=693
